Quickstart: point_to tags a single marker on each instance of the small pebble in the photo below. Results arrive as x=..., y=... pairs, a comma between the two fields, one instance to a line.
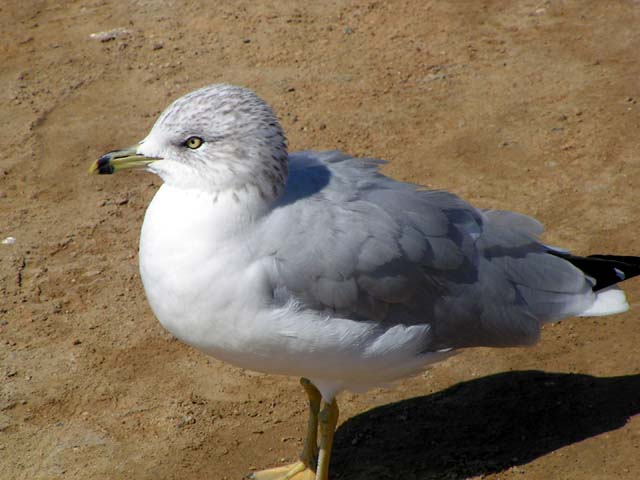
x=186, y=420
x=109, y=35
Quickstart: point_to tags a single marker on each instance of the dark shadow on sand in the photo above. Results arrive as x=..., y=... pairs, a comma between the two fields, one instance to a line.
x=482, y=426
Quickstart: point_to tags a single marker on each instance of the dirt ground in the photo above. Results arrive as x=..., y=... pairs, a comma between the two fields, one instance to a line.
x=524, y=105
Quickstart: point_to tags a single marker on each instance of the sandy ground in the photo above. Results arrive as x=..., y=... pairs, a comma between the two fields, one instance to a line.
x=525, y=105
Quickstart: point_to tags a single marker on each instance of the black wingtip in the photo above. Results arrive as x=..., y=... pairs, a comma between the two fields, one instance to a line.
x=606, y=270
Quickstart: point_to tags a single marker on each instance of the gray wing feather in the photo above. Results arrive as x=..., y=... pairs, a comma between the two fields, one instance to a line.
x=367, y=247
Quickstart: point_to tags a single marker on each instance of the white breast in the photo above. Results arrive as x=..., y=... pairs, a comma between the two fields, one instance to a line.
x=194, y=272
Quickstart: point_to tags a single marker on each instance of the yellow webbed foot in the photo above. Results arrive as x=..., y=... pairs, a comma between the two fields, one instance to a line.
x=294, y=471
x=312, y=456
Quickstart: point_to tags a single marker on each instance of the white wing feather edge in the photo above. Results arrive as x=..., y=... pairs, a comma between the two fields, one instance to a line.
x=609, y=301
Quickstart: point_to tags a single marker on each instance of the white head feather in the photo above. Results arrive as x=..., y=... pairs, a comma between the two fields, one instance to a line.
x=243, y=146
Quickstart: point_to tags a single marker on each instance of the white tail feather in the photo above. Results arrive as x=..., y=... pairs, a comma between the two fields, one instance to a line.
x=608, y=301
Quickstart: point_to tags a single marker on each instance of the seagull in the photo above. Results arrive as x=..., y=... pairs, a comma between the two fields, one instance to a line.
x=316, y=265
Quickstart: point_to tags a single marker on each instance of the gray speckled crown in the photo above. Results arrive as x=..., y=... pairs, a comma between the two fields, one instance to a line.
x=244, y=145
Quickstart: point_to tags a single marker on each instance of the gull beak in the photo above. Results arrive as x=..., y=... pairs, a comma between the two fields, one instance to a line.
x=117, y=160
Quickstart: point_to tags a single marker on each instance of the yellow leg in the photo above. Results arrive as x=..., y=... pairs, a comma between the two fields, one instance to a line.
x=328, y=420
x=310, y=452
x=305, y=469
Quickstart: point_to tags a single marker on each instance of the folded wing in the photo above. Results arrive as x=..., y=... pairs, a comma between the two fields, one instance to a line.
x=366, y=247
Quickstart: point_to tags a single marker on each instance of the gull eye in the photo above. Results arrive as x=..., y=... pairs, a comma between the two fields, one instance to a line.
x=193, y=142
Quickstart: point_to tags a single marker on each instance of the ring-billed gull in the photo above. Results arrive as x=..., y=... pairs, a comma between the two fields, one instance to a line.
x=314, y=264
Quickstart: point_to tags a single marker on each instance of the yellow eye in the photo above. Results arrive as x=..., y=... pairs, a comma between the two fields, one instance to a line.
x=193, y=142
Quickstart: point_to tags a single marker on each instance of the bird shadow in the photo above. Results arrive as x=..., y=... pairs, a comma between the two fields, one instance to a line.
x=482, y=426
x=303, y=183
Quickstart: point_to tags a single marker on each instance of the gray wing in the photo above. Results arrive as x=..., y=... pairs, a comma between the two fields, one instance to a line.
x=348, y=240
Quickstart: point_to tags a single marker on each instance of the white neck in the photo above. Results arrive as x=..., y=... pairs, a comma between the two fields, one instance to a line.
x=222, y=214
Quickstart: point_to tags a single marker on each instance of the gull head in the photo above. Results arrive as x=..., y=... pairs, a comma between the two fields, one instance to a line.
x=217, y=138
